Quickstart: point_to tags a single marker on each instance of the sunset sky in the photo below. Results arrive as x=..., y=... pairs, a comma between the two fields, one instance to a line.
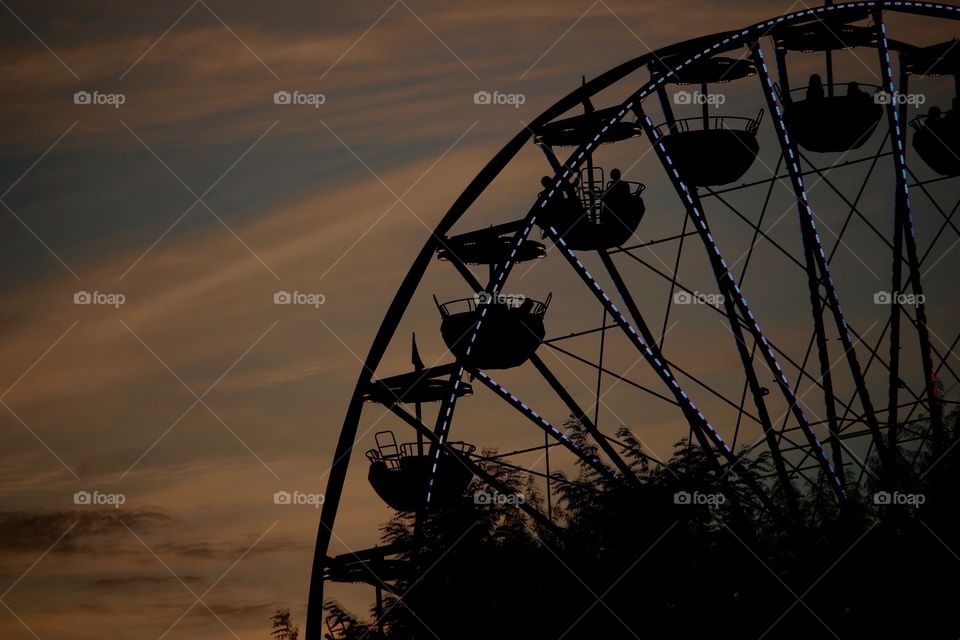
x=198, y=198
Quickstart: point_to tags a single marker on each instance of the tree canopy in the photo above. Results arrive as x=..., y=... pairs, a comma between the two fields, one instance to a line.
x=679, y=551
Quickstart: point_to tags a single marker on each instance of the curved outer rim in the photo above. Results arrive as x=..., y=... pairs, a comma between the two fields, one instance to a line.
x=696, y=48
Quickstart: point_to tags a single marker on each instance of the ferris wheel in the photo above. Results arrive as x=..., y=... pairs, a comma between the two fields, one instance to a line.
x=785, y=168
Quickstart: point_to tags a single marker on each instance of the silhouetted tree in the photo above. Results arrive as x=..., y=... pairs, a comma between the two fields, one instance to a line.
x=638, y=557
x=283, y=629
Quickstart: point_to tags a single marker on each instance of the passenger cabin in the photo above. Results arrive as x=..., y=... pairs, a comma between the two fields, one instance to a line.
x=510, y=331
x=834, y=118
x=827, y=116
x=708, y=149
x=712, y=152
x=400, y=474
x=575, y=130
x=594, y=213
x=491, y=246
x=936, y=137
x=416, y=387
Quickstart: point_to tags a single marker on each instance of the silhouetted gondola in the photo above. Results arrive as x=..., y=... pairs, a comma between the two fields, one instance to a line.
x=937, y=140
x=371, y=566
x=827, y=117
x=399, y=474
x=826, y=33
x=490, y=246
x=594, y=216
x=575, y=130
x=510, y=332
x=415, y=387
x=835, y=121
x=936, y=136
x=709, y=149
x=712, y=154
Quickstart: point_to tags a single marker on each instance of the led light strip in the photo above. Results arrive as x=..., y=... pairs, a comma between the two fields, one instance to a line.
x=545, y=424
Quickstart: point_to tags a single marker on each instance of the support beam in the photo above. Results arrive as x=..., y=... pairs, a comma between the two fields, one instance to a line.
x=581, y=415
x=899, y=142
x=545, y=425
x=818, y=270
x=731, y=292
x=710, y=440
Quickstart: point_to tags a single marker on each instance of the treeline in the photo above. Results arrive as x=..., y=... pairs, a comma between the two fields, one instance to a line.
x=682, y=553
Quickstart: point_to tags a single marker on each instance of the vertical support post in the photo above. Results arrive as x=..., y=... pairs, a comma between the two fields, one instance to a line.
x=546, y=450
x=704, y=106
x=419, y=435
x=782, y=75
x=603, y=341
x=379, y=610
x=829, y=56
x=666, y=106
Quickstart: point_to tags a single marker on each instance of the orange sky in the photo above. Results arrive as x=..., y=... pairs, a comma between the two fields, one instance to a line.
x=199, y=198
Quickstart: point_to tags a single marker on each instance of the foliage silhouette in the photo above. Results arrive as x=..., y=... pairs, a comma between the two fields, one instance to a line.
x=282, y=628
x=666, y=556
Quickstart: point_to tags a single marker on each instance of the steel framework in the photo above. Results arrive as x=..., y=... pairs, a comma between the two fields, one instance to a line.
x=845, y=357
